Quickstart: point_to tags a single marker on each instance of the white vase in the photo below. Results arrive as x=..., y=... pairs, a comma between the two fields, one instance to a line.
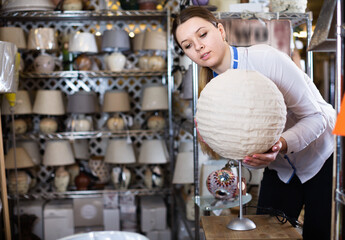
x=115, y=61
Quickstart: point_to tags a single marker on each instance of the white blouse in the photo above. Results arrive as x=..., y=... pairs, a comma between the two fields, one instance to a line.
x=310, y=119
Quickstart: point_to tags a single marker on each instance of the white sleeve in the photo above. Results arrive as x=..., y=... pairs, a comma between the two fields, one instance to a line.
x=303, y=109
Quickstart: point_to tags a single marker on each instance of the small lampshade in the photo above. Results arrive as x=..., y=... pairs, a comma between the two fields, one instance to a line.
x=14, y=35
x=22, y=106
x=81, y=149
x=115, y=40
x=184, y=168
x=154, y=97
x=49, y=102
x=138, y=41
x=83, y=102
x=42, y=38
x=153, y=152
x=8, y=53
x=58, y=153
x=116, y=101
x=32, y=149
x=119, y=151
x=155, y=40
x=23, y=159
x=82, y=42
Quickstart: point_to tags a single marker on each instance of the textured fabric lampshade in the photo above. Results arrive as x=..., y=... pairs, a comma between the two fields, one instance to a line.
x=119, y=151
x=23, y=159
x=8, y=53
x=82, y=102
x=155, y=40
x=154, y=97
x=22, y=106
x=49, y=102
x=42, y=38
x=116, y=101
x=184, y=168
x=115, y=40
x=14, y=35
x=58, y=153
x=32, y=148
x=138, y=41
x=153, y=152
x=82, y=42
x=240, y=113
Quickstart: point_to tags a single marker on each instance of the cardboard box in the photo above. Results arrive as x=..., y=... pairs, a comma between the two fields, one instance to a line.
x=153, y=213
x=111, y=219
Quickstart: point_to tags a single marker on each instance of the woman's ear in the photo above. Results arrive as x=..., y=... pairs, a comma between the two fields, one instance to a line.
x=222, y=31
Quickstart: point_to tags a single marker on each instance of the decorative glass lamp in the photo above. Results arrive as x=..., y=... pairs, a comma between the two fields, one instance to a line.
x=115, y=41
x=117, y=102
x=18, y=181
x=120, y=152
x=59, y=153
x=81, y=105
x=155, y=99
x=49, y=102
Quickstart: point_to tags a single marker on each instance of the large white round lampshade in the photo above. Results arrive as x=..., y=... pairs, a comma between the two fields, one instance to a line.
x=240, y=113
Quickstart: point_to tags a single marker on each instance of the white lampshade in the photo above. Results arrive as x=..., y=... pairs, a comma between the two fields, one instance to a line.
x=119, y=151
x=153, y=152
x=14, y=35
x=42, y=38
x=22, y=105
x=32, y=148
x=154, y=97
x=239, y=113
x=58, y=153
x=81, y=149
x=22, y=157
x=82, y=42
x=116, y=101
x=155, y=40
x=49, y=102
x=184, y=168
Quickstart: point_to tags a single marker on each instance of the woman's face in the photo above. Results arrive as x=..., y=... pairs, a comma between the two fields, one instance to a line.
x=202, y=42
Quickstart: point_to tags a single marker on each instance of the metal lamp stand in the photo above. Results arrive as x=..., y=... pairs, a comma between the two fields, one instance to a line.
x=241, y=223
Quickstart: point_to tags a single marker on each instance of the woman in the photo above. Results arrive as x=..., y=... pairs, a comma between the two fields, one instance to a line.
x=299, y=165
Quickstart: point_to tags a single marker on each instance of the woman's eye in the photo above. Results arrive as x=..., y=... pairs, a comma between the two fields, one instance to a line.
x=203, y=35
x=187, y=46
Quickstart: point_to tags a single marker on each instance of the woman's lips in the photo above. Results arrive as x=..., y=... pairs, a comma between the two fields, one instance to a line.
x=205, y=56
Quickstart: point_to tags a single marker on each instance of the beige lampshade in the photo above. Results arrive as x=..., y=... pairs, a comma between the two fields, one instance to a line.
x=23, y=104
x=32, y=149
x=155, y=40
x=153, y=152
x=82, y=42
x=42, y=38
x=138, y=41
x=119, y=151
x=58, y=153
x=81, y=149
x=23, y=159
x=49, y=102
x=154, y=97
x=184, y=168
x=116, y=101
x=14, y=35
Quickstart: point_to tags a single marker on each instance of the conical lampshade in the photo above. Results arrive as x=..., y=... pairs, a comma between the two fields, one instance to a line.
x=58, y=153
x=82, y=42
x=23, y=104
x=49, y=102
x=184, y=168
x=23, y=159
x=153, y=152
x=119, y=151
x=116, y=101
x=154, y=97
x=32, y=149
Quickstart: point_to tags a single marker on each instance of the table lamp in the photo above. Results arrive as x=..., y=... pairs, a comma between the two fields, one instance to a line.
x=59, y=153
x=156, y=42
x=115, y=41
x=117, y=102
x=120, y=152
x=49, y=102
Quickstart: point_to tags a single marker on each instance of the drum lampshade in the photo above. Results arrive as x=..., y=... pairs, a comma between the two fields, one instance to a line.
x=240, y=113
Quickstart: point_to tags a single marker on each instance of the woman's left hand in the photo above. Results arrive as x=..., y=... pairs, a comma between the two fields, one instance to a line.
x=263, y=159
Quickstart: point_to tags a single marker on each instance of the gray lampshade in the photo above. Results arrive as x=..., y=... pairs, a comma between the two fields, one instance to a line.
x=83, y=102
x=115, y=40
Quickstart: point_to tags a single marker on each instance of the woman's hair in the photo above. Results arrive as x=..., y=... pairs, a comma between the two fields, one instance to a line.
x=186, y=14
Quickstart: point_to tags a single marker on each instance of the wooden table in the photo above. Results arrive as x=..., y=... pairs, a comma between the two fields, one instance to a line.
x=267, y=227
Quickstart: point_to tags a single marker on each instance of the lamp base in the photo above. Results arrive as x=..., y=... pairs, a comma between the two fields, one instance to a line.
x=241, y=224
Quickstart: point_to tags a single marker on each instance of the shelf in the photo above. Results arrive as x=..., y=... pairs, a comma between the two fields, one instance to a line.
x=88, y=134
x=81, y=15
x=93, y=74
x=91, y=193
x=210, y=203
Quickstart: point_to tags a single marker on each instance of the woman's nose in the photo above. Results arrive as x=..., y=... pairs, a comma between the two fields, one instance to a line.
x=199, y=45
